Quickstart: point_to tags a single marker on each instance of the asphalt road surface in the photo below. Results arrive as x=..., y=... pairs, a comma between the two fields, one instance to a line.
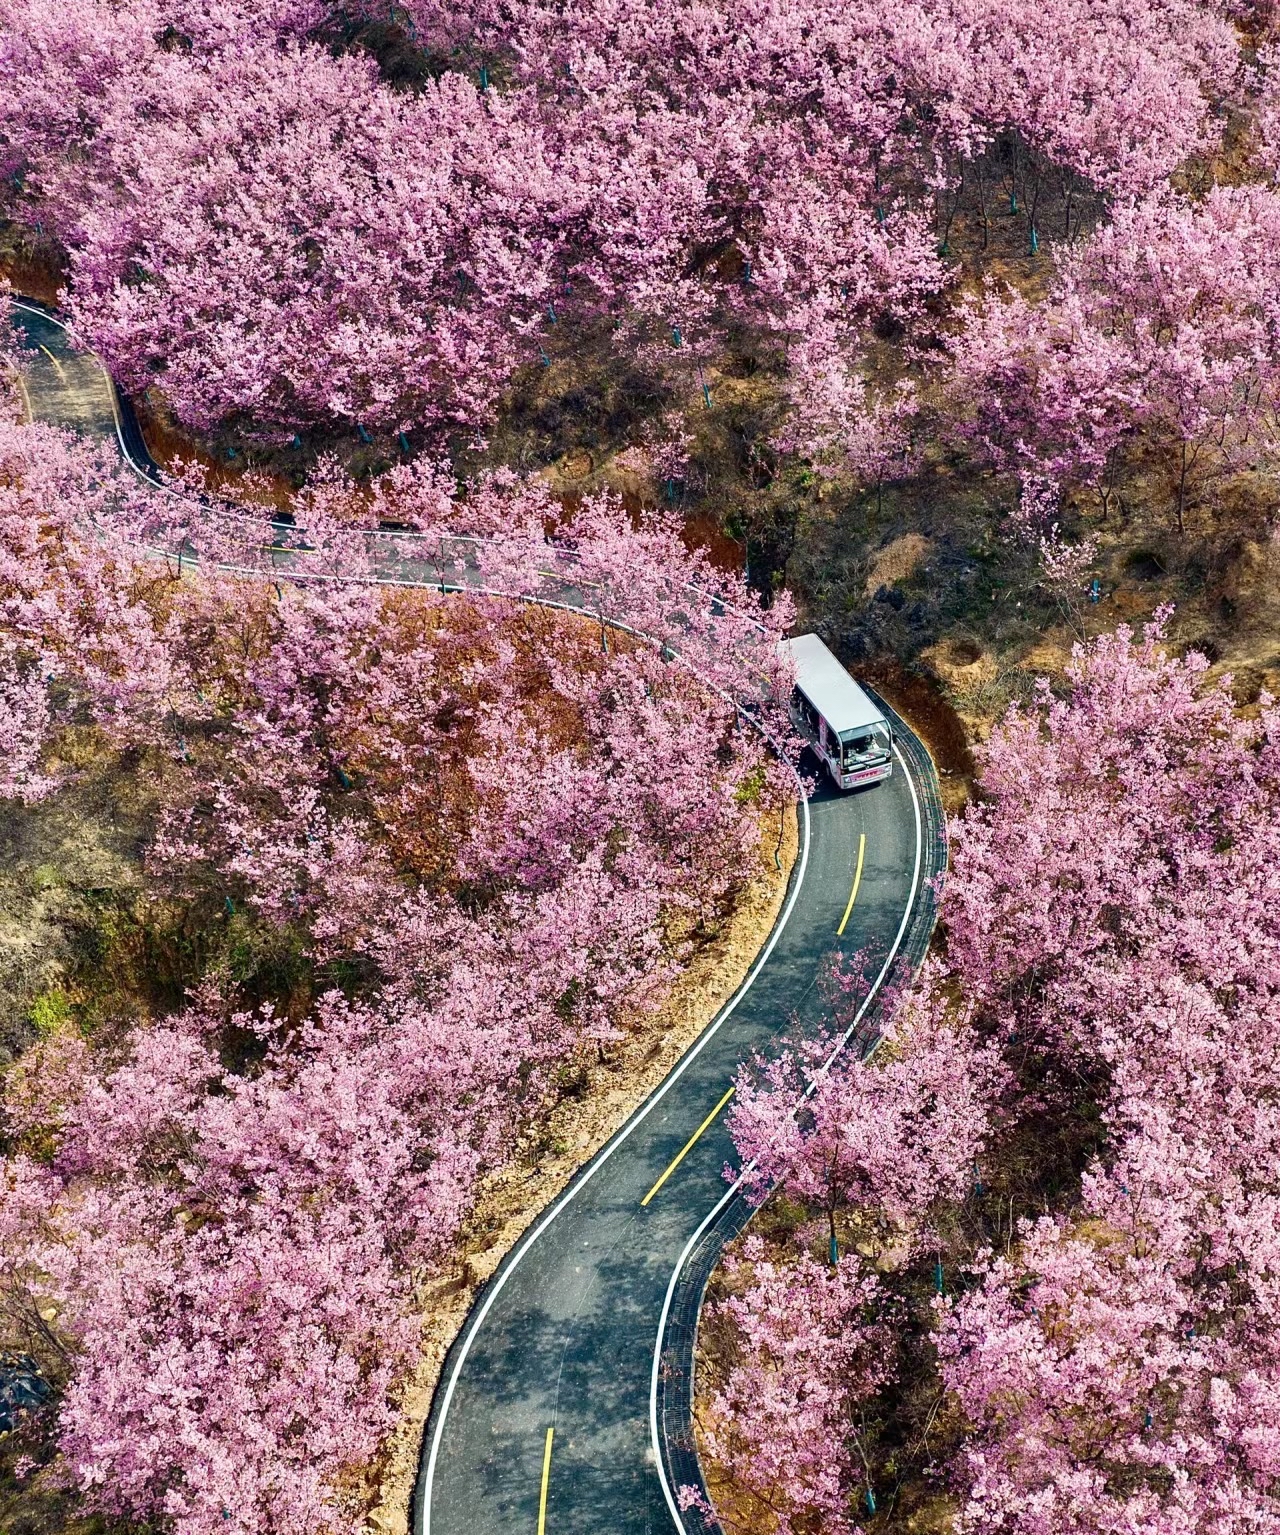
x=565, y=1336
x=564, y=1406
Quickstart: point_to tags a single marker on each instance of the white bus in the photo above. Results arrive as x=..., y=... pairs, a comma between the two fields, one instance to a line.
x=847, y=730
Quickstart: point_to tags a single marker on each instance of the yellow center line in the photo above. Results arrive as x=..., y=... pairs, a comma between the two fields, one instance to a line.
x=857, y=880
x=689, y=1145
x=54, y=361
x=546, y=1478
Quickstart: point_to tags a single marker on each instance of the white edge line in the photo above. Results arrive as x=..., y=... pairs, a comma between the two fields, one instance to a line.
x=737, y=1183
x=478, y=1317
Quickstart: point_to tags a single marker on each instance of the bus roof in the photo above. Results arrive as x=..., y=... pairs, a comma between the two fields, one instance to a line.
x=829, y=688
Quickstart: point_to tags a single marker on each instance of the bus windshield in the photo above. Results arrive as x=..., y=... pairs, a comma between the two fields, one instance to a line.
x=870, y=743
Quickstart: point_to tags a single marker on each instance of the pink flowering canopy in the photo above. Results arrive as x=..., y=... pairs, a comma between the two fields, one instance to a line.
x=1107, y=1346
x=813, y=1342
x=277, y=236
x=1130, y=847
x=1162, y=326
x=312, y=252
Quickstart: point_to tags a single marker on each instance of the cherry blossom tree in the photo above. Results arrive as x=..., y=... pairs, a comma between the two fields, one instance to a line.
x=884, y=1144
x=276, y=237
x=26, y=717
x=801, y=169
x=234, y=1267
x=73, y=592
x=1161, y=328
x=317, y=255
x=1107, y=913
x=892, y=1134
x=812, y=1341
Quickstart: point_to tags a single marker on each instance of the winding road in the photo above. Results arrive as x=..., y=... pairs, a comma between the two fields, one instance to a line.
x=564, y=1407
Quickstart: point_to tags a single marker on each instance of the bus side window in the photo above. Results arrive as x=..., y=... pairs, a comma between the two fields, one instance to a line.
x=807, y=712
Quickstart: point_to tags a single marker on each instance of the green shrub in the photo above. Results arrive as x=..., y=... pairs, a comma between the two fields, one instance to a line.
x=50, y=1013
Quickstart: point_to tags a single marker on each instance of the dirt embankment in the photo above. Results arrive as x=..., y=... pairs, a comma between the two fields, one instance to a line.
x=608, y=1093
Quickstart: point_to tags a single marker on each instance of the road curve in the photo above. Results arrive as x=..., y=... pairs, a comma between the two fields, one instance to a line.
x=564, y=1407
